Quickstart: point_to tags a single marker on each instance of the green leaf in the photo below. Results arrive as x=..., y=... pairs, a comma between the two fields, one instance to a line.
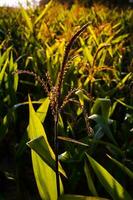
x=111, y=185
x=123, y=167
x=103, y=124
x=67, y=139
x=93, y=34
x=102, y=105
x=4, y=56
x=16, y=78
x=43, y=12
x=42, y=110
x=89, y=180
x=129, y=76
x=124, y=104
x=10, y=117
x=41, y=113
x=44, y=175
x=3, y=70
x=27, y=19
x=86, y=51
x=79, y=197
x=81, y=97
x=120, y=38
x=45, y=178
x=65, y=156
x=40, y=146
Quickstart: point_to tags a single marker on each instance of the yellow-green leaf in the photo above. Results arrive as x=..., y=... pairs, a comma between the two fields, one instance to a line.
x=3, y=70
x=89, y=180
x=27, y=19
x=44, y=175
x=111, y=185
x=86, y=52
x=93, y=34
x=122, y=167
x=43, y=12
x=79, y=197
x=39, y=145
x=42, y=110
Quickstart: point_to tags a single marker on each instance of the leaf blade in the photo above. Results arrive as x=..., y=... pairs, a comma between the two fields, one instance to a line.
x=44, y=175
x=111, y=185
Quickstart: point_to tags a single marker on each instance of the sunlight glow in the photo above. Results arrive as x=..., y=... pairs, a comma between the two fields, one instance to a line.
x=16, y=3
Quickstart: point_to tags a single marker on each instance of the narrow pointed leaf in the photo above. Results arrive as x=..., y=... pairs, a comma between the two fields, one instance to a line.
x=3, y=71
x=99, y=119
x=124, y=104
x=39, y=145
x=111, y=185
x=27, y=19
x=123, y=167
x=79, y=197
x=103, y=105
x=89, y=180
x=44, y=175
x=67, y=139
x=43, y=12
x=42, y=110
x=93, y=34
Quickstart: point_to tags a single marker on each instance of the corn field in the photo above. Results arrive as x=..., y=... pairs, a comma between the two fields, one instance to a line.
x=66, y=102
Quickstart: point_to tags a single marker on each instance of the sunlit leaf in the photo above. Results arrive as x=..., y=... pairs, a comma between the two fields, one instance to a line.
x=123, y=81
x=121, y=166
x=3, y=71
x=93, y=34
x=4, y=56
x=39, y=145
x=42, y=110
x=27, y=19
x=67, y=139
x=79, y=197
x=43, y=12
x=102, y=105
x=86, y=51
x=90, y=180
x=111, y=185
x=44, y=175
x=119, y=38
x=124, y=104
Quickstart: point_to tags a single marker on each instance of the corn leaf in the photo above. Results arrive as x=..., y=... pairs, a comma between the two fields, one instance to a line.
x=123, y=167
x=27, y=19
x=123, y=81
x=79, y=197
x=67, y=139
x=105, y=127
x=103, y=105
x=39, y=145
x=43, y=12
x=86, y=51
x=44, y=175
x=93, y=34
x=89, y=180
x=3, y=70
x=111, y=185
x=124, y=104
x=119, y=38
x=16, y=78
x=10, y=117
x=4, y=56
x=42, y=110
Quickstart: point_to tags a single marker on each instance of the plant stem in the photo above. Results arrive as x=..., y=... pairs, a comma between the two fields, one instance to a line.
x=56, y=151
